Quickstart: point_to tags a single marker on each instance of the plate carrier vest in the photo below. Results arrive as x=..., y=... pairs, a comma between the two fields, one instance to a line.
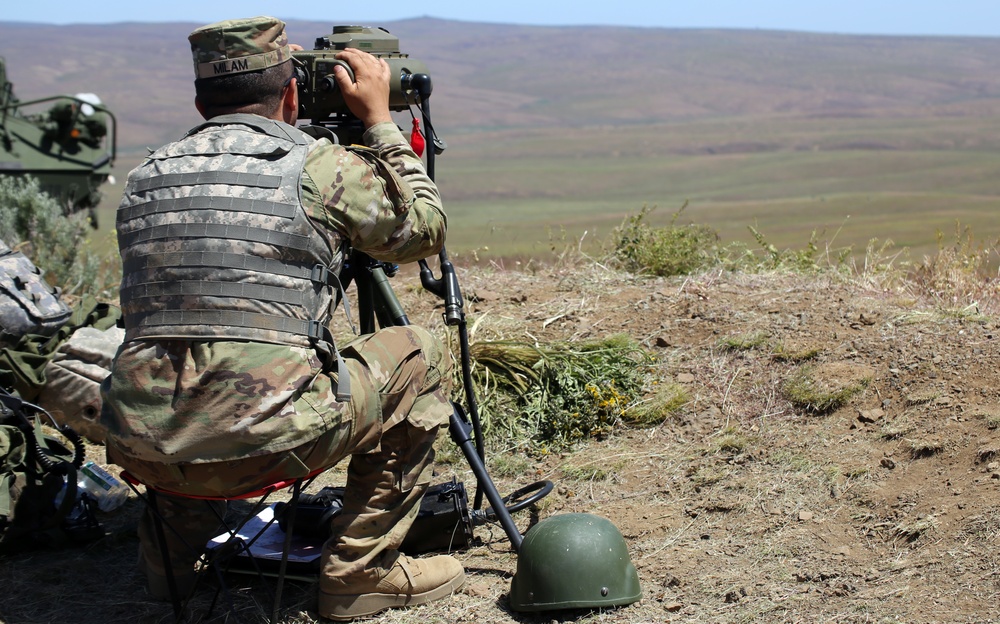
x=216, y=244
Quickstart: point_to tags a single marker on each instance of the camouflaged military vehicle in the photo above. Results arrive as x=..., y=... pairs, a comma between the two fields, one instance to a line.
x=67, y=142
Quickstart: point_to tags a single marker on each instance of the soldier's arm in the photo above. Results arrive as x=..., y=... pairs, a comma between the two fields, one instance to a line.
x=383, y=202
x=380, y=200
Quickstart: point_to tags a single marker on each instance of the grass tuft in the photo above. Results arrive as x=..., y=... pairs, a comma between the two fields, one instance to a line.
x=585, y=473
x=992, y=421
x=743, y=342
x=666, y=251
x=732, y=443
x=784, y=353
x=911, y=531
x=920, y=448
x=668, y=401
x=811, y=389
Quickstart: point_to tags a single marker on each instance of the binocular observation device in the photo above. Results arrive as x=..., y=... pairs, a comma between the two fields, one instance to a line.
x=319, y=96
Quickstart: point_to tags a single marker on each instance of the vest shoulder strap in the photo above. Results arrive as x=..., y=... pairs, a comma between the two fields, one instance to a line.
x=270, y=127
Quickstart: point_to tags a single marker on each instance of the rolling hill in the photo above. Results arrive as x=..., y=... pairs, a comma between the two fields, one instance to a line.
x=556, y=131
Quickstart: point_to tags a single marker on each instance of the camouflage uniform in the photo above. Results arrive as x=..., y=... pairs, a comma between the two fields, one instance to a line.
x=228, y=224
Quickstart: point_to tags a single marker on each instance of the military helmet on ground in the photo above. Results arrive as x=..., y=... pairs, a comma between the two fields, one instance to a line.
x=573, y=561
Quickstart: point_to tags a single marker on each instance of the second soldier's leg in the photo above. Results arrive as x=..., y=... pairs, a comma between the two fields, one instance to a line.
x=188, y=525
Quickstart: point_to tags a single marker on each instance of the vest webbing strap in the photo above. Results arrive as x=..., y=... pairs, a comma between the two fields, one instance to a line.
x=227, y=318
x=197, y=178
x=235, y=204
x=215, y=230
x=343, y=379
x=223, y=260
x=207, y=288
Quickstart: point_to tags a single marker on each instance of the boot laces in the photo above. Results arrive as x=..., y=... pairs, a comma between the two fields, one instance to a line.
x=404, y=564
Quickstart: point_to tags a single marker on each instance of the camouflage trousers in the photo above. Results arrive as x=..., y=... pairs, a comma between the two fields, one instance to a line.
x=400, y=382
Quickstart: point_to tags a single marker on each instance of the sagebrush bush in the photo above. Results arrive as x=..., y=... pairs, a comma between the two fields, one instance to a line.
x=664, y=251
x=33, y=223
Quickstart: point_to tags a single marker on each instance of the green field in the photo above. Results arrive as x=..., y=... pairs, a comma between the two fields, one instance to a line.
x=848, y=181
x=516, y=195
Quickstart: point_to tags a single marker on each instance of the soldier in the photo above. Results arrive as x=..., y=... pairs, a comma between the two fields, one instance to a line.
x=231, y=241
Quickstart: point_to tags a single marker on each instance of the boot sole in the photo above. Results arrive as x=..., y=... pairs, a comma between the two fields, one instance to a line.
x=344, y=607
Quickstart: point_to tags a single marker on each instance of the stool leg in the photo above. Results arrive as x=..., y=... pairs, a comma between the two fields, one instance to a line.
x=292, y=507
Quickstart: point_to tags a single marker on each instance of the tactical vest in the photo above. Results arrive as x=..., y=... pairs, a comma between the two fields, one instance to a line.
x=28, y=305
x=216, y=244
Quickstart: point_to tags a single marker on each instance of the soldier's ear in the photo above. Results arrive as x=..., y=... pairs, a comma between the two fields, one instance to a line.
x=290, y=102
x=200, y=107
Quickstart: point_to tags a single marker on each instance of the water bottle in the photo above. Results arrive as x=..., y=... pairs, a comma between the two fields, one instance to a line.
x=109, y=492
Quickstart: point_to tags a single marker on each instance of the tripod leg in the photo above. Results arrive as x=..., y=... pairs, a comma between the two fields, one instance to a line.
x=460, y=431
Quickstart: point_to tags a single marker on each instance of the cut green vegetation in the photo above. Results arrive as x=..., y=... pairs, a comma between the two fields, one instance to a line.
x=558, y=394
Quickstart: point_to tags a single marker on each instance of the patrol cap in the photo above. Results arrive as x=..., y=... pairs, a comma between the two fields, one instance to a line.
x=237, y=46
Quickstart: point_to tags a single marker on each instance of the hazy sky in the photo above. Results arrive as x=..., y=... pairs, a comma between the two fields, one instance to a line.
x=913, y=17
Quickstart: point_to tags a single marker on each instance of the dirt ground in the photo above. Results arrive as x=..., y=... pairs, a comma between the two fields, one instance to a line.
x=743, y=507
x=746, y=508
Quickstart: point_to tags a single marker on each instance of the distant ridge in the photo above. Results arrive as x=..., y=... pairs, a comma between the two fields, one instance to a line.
x=502, y=77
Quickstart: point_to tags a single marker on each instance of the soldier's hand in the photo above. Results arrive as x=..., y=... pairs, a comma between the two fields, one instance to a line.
x=368, y=95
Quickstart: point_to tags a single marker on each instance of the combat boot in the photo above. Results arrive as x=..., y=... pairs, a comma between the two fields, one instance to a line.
x=406, y=582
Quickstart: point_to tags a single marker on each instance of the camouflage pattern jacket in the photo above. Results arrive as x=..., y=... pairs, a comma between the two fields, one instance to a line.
x=196, y=393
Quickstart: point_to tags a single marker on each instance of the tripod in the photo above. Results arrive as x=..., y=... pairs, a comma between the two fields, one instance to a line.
x=378, y=306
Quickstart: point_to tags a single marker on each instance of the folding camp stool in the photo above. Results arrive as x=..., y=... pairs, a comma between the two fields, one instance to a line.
x=218, y=559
